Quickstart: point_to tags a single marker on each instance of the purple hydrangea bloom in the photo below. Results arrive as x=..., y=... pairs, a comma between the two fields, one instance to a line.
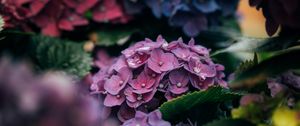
x=142, y=119
x=172, y=69
x=52, y=98
x=284, y=83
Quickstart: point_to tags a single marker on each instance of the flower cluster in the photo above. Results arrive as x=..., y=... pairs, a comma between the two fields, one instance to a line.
x=279, y=13
x=51, y=99
x=148, y=67
x=192, y=16
x=54, y=16
x=142, y=119
x=287, y=83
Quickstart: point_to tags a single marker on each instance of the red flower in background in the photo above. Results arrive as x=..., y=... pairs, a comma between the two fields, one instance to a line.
x=54, y=16
x=109, y=10
x=81, y=6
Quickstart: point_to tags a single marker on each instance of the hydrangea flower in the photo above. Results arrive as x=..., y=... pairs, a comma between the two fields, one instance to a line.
x=287, y=82
x=142, y=119
x=149, y=67
x=46, y=99
x=193, y=16
x=55, y=16
x=279, y=13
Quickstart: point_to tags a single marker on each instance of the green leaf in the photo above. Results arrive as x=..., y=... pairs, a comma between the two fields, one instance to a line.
x=230, y=122
x=246, y=65
x=175, y=109
x=280, y=62
x=247, y=44
x=114, y=37
x=56, y=54
x=1, y=23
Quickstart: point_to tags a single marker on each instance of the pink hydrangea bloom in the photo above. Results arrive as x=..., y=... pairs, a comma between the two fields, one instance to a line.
x=172, y=69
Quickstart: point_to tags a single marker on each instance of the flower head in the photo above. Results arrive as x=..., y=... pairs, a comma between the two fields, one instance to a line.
x=46, y=99
x=149, y=67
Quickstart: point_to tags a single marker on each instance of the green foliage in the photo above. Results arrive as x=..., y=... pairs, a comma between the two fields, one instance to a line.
x=1, y=23
x=55, y=54
x=246, y=44
x=280, y=62
x=205, y=103
x=113, y=37
x=246, y=65
x=230, y=122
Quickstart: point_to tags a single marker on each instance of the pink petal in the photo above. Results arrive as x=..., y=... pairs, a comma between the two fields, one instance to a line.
x=170, y=62
x=114, y=85
x=37, y=5
x=125, y=74
x=156, y=55
x=154, y=66
x=51, y=29
x=106, y=11
x=130, y=96
x=65, y=25
x=113, y=100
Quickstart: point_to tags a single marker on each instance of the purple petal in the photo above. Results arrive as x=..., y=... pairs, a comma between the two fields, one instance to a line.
x=125, y=113
x=199, y=83
x=137, y=60
x=125, y=74
x=113, y=100
x=154, y=66
x=169, y=62
x=155, y=119
x=114, y=85
x=142, y=82
x=179, y=76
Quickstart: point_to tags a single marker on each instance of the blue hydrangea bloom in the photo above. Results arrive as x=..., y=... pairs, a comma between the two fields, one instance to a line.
x=193, y=16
